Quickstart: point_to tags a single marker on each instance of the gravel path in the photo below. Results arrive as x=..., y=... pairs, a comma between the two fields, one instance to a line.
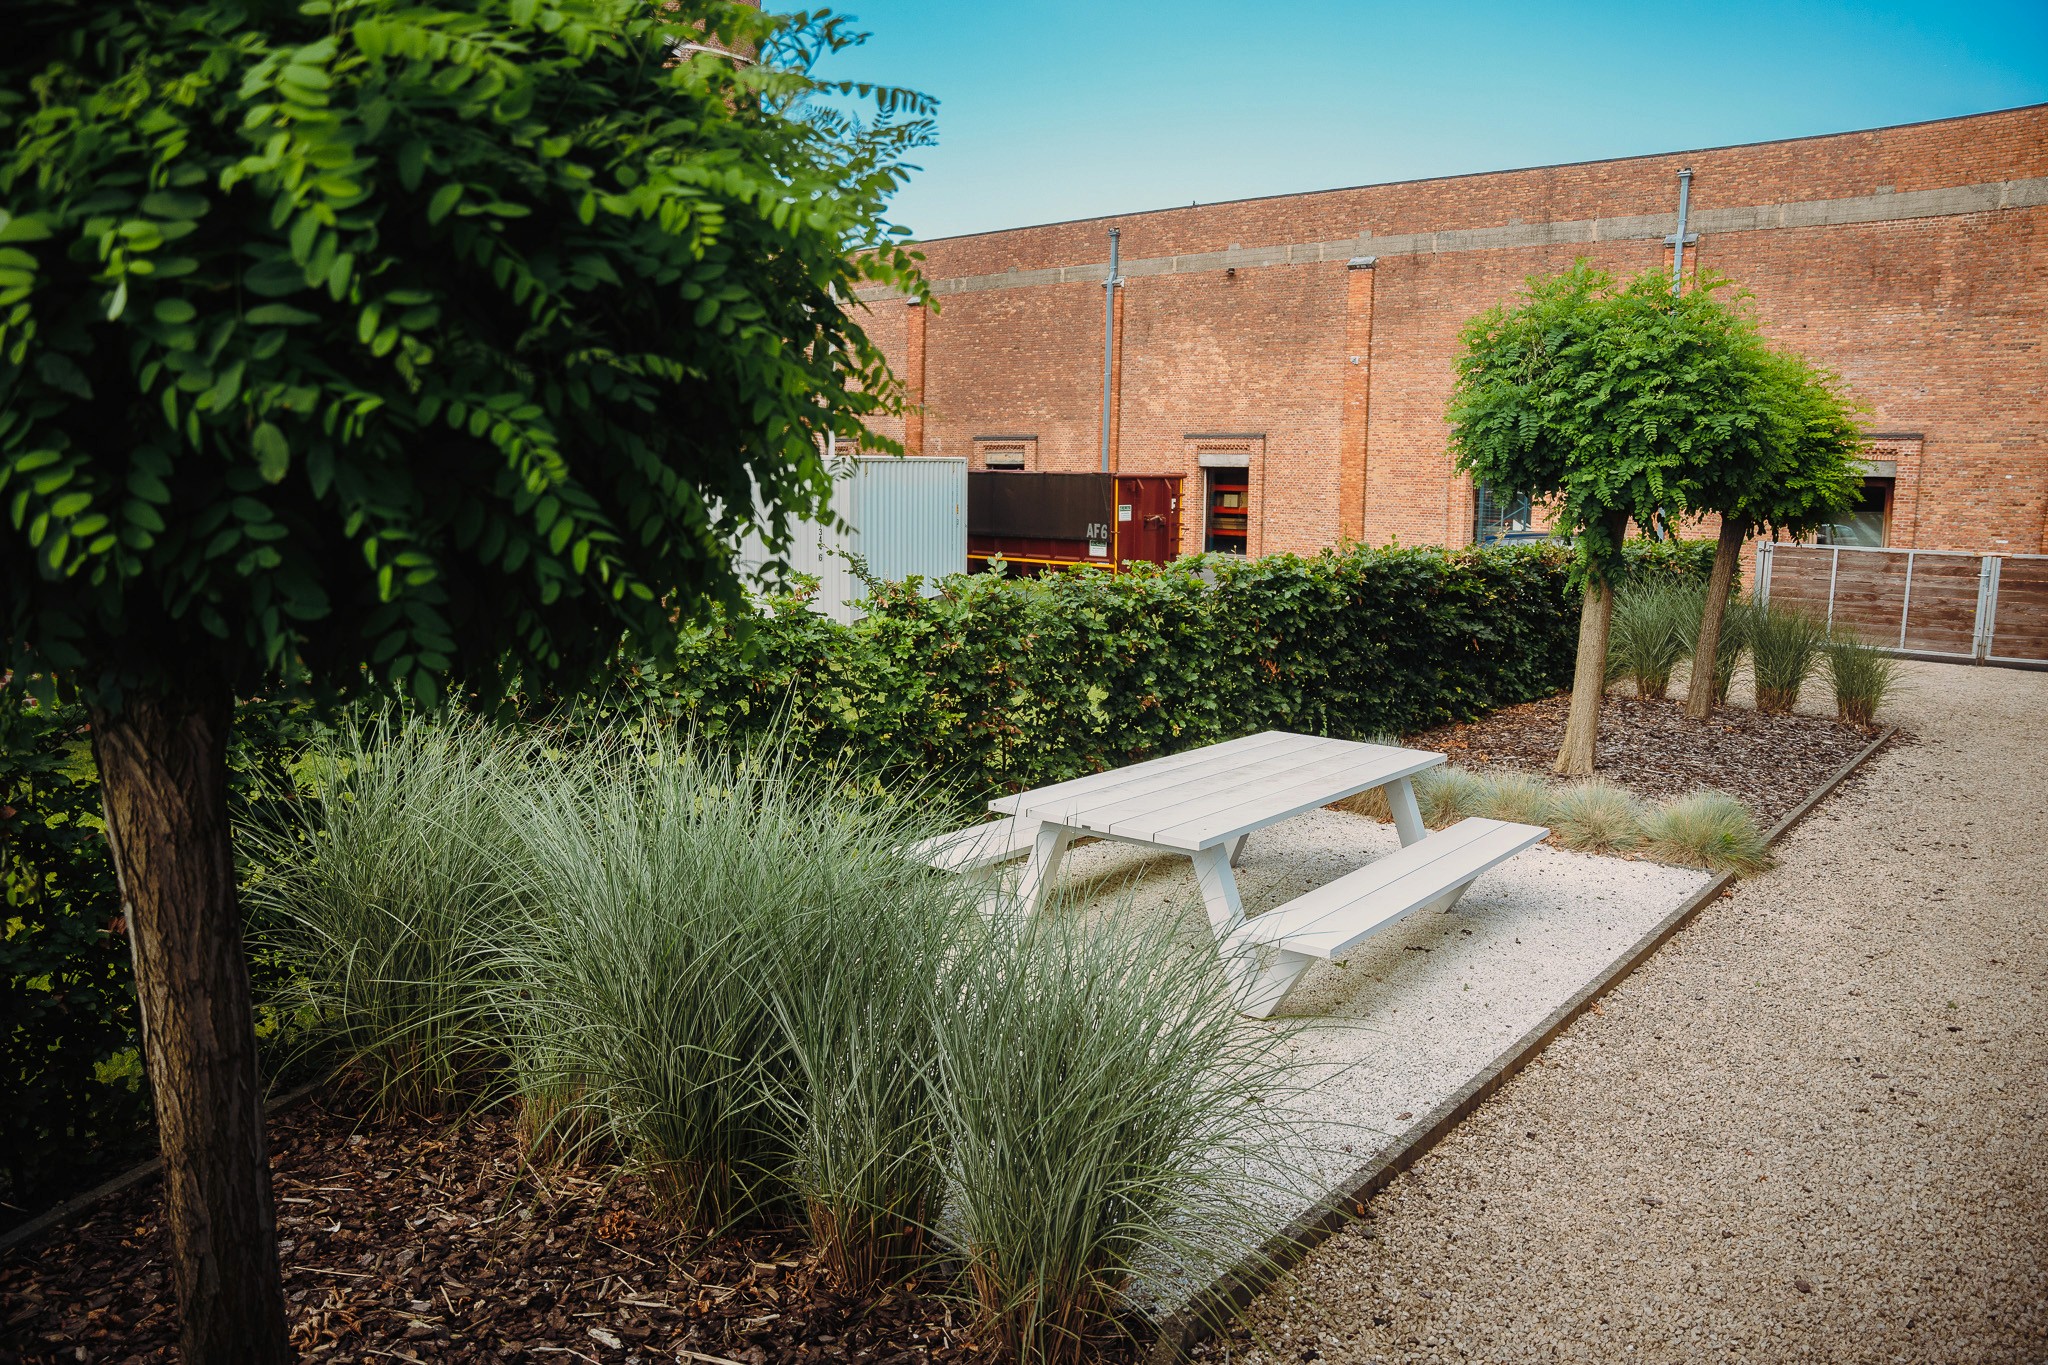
x=1813, y=1127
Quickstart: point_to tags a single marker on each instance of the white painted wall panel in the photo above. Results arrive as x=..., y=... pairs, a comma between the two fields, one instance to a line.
x=906, y=516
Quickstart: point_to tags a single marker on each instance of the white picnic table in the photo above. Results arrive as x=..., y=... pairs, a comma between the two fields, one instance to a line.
x=1205, y=802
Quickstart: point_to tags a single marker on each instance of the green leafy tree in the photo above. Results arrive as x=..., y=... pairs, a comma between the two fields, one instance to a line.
x=1598, y=398
x=1794, y=471
x=431, y=346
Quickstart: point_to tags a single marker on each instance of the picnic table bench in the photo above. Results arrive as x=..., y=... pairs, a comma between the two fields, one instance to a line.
x=1206, y=802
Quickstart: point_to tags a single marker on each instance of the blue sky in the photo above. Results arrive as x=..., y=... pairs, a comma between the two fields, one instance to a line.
x=1068, y=110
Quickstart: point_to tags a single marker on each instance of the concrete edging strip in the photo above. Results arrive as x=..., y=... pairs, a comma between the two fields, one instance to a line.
x=1250, y=1277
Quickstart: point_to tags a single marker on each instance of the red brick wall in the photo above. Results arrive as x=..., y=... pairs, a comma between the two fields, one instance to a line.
x=1938, y=323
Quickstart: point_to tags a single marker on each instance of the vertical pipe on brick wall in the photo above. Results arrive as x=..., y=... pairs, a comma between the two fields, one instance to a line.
x=1356, y=422
x=1109, y=287
x=913, y=379
x=1116, y=387
x=1678, y=239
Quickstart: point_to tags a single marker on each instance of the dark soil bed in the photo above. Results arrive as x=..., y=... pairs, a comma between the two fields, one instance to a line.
x=432, y=1240
x=1771, y=762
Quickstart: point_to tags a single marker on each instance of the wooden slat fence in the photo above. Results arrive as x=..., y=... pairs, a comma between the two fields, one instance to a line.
x=1947, y=604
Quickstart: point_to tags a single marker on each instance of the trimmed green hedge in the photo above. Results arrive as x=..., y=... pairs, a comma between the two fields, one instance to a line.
x=999, y=683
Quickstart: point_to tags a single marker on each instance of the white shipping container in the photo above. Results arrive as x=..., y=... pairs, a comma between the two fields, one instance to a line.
x=905, y=515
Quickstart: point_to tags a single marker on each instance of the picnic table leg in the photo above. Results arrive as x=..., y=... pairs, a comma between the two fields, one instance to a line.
x=1219, y=888
x=1407, y=814
x=1267, y=978
x=1047, y=850
x=1237, y=849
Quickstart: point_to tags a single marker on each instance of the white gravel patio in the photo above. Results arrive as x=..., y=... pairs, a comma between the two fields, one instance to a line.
x=1814, y=1126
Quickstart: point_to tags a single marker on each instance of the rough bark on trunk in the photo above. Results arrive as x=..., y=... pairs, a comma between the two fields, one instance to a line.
x=1589, y=679
x=163, y=777
x=1699, y=700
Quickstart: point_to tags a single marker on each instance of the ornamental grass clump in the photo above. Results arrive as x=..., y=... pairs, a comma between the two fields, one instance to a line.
x=1103, y=1103
x=1707, y=829
x=381, y=890
x=1863, y=677
x=862, y=1023
x=1513, y=796
x=1785, y=646
x=668, y=886
x=1447, y=794
x=1596, y=816
x=729, y=979
x=1649, y=634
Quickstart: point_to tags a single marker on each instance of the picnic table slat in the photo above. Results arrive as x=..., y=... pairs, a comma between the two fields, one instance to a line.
x=1203, y=758
x=1229, y=814
x=1159, y=791
x=1241, y=790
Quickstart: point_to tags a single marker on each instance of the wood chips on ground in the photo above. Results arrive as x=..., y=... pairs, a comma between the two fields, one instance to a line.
x=1771, y=762
x=433, y=1240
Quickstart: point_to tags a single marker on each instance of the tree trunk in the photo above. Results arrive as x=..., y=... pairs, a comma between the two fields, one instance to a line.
x=163, y=778
x=1589, y=681
x=1699, y=695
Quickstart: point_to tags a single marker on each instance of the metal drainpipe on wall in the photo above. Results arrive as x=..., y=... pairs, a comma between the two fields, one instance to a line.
x=1109, y=288
x=1679, y=240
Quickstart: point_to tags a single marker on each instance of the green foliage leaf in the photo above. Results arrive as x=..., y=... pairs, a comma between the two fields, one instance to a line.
x=59, y=371
x=443, y=203
x=170, y=204
x=273, y=451
x=280, y=315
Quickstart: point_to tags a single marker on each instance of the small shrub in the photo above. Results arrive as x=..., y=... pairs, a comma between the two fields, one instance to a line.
x=1666, y=561
x=1513, y=796
x=1707, y=829
x=1863, y=677
x=67, y=994
x=1653, y=623
x=1596, y=816
x=1448, y=794
x=1785, y=645
x=1102, y=1102
x=382, y=894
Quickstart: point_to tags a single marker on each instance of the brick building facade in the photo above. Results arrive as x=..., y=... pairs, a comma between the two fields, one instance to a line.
x=1308, y=340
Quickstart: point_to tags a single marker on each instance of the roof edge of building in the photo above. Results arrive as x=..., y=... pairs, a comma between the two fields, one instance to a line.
x=916, y=242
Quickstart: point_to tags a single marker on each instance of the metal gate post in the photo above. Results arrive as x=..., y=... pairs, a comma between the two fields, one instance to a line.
x=1987, y=608
x=1762, y=592
x=1834, y=567
x=1906, y=607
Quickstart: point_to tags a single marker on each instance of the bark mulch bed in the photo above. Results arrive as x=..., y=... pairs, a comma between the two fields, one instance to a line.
x=1770, y=762
x=432, y=1240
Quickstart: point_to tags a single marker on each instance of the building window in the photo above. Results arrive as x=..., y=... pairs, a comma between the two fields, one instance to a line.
x=1497, y=518
x=1004, y=452
x=1869, y=522
x=1230, y=466
x=1229, y=520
